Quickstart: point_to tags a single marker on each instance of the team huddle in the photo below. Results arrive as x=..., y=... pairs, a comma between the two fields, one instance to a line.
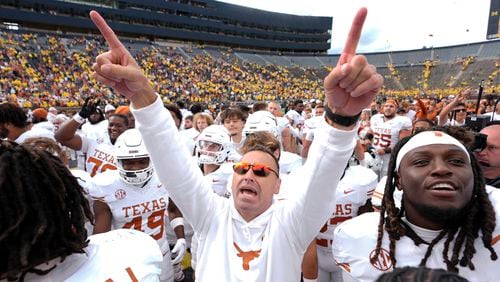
x=231, y=201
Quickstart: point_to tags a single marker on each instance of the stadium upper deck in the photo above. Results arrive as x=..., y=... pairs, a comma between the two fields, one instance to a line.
x=198, y=21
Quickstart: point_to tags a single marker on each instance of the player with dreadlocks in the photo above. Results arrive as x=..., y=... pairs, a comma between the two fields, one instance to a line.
x=42, y=226
x=445, y=208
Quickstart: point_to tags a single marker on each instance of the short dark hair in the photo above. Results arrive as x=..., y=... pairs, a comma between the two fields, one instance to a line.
x=298, y=102
x=259, y=106
x=232, y=113
x=12, y=113
x=124, y=117
x=196, y=108
x=180, y=104
x=177, y=112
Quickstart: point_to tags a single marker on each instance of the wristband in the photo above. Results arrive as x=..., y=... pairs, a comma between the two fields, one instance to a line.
x=78, y=118
x=178, y=221
x=387, y=150
x=341, y=120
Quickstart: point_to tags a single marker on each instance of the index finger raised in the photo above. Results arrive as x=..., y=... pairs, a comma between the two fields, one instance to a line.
x=106, y=31
x=354, y=36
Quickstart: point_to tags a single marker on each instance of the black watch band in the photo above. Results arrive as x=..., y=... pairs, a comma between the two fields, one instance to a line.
x=341, y=120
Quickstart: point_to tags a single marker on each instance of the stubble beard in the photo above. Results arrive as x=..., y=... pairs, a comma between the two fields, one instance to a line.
x=448, y=217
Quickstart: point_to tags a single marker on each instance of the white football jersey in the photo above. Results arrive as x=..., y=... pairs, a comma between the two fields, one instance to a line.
x=283, y=123
x=354, y=189
x=295, y=117
x=119, y=255
x=36, y=132
x=355, y=241
x=378, y=195
x=386, y=133
x=311, y=124
x=84, y=180
x=100, y=127
x=134, y=207
x=218, y=179
x=289, y=162
x=99, y=151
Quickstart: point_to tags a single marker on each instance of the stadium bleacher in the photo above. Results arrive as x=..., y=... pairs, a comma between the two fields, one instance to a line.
x=215, y=74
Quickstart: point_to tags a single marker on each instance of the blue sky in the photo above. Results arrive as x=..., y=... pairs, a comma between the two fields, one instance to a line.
x=393, y=24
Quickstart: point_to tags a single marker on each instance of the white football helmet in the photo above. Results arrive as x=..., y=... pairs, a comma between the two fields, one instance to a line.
x=213, y=145
x=130, y=145
x=261, y=121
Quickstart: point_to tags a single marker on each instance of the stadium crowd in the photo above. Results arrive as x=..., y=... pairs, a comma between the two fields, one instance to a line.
x=340, y=183
x=47, y=70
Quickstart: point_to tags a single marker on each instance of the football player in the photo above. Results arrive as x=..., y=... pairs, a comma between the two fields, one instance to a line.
x=388, y=128
x=97, y=145
x=132, y=197
x=448, y=218
x=43, y=235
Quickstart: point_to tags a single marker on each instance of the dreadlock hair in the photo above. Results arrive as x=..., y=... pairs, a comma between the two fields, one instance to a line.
x=42, y=210
x=479, y=212
x=420, y=274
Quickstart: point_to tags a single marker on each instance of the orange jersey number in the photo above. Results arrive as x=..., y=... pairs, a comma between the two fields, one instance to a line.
x=130, y=274
x=382, y=140
x=155, y=220
x=98, y=164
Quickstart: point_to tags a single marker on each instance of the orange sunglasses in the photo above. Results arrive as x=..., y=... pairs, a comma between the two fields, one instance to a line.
x=257, y=169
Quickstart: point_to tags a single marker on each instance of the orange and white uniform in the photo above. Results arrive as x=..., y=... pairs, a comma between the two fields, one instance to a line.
x=100, y=152
x=386, y=134
x=355, y=242
x=118, y=255
x=355, y=188
x=135, y=207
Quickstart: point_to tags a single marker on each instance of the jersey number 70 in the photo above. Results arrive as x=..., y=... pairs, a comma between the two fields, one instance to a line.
x=98, y=164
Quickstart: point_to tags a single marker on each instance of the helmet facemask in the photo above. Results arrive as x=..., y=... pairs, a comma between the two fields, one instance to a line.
x=132, y=158
x=135, y=176
x=213, y=145
x=210, y=153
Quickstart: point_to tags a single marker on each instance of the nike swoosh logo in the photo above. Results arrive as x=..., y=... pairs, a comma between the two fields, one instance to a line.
x=348, y=191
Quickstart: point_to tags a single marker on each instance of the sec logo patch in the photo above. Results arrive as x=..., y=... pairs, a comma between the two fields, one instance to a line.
x=383, y=261
x=120, y=194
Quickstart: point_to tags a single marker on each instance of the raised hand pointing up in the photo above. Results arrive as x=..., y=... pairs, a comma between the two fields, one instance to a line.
x=118, y=69
x=349, y=88
x=353, y=83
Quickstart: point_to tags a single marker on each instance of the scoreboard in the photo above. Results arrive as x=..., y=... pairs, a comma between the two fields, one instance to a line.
x=493, y=19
